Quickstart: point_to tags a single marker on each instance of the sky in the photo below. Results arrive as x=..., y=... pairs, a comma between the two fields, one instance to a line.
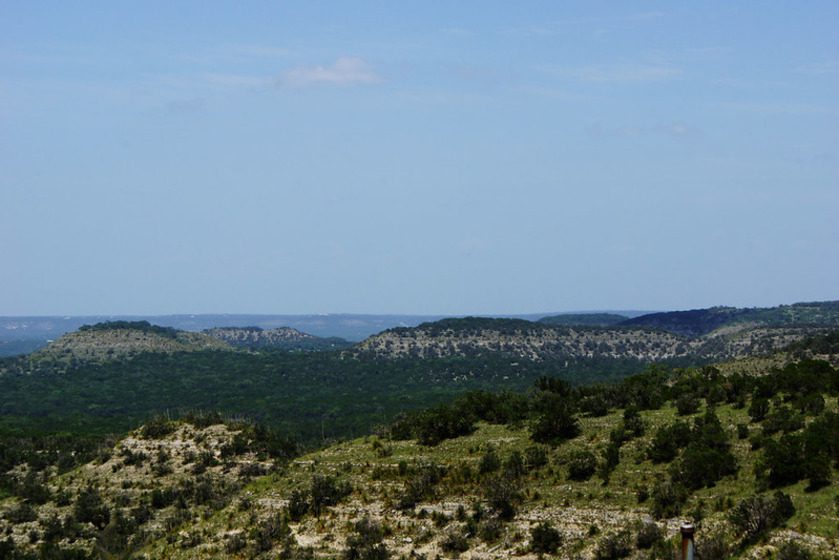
x=427, y=157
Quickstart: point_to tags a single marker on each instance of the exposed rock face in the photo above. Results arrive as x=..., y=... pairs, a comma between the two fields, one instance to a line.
x=150, y=479
x=285, y=338
x=535, y=345
x=465, y=337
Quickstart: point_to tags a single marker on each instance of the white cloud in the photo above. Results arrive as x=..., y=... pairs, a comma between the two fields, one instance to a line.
x=345, y=71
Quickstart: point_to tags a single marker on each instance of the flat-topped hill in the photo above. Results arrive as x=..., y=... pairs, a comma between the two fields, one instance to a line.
x=517, y=338
x=120, y=339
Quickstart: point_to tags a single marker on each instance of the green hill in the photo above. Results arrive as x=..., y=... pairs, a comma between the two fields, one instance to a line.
x=584, y=319
x=281, y=338
x=698, y=322
x=117, y=340
x=590, y=472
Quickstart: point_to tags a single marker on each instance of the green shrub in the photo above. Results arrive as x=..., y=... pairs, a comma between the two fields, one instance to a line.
x=545, y=539
x=649, y=533
x=269, y=532
x=667, y=441
x=756, y=515
x=791, y=550
x=326, y=491
x=90, y=508
x=712, y=547
x=686, y=404
x=554, y=420
x=421, y=485
x=535, y=456
x=489, y=462
x=366, y=543
x=157, y=427
x=503, y=495
x=581, y=465
x=668, y=497
x=298, y=505
x=21, y=513
x=613, y=546
x=454, y=541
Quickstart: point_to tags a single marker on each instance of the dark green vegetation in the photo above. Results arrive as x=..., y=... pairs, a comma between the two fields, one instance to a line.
x=256, y=338
x=584, y=319
x=312, y=396
x=698, y=322
x=748, y=453
x=501, y=326
x=142, y=326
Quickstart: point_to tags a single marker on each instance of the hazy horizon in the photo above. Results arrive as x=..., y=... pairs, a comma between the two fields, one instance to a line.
x=425, y=158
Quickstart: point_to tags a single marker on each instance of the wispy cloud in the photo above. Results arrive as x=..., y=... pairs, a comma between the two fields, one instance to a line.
x=237, y=80
x=646, y=16
x=623, y=73
x=818, y=68
x=189, y=106
x=257, y=51
x=551, y=92
x=344, y=71
x=784, y=108
x=458, y=32
x=677, y=130
x=232, y=54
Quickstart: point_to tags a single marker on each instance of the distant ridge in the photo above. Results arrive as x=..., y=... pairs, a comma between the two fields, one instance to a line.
x=699, y=322
x=648, y=341
x=283, y=338
x=584, y=319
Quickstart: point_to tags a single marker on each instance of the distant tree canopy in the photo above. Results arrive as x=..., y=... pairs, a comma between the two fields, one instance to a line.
x=471, y=324
x=142, y=326
x=584, y=319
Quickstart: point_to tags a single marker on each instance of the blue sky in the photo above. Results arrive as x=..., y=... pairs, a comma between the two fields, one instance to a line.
x=416, y=157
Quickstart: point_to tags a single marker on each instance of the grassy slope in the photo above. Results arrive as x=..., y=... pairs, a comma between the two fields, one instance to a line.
x=574, y=507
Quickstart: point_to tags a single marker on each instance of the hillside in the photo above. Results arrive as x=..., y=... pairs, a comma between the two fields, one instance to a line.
x=122, y=339
x=282, y=338
x=145, y=485
x=539, y=341
x=590, y=474
x=699, y=322
x=584, y=319
x=521, y=339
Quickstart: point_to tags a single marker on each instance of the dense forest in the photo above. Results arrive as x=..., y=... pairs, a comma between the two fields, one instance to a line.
x=311, y=396
x=741, y=455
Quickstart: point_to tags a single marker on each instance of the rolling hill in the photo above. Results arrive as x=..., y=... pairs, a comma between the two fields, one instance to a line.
x=699, y=322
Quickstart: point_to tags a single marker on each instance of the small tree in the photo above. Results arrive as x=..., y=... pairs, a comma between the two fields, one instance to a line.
x=555, y=420
x=503, y=494
x=366, y=543
x=756, y=515
x=581, y=465
x=545, y=539
x=90, y=508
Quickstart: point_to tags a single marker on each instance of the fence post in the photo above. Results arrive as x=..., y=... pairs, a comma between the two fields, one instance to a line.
x=688, y=548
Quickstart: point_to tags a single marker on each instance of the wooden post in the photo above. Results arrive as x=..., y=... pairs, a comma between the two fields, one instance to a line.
x=688, y=548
